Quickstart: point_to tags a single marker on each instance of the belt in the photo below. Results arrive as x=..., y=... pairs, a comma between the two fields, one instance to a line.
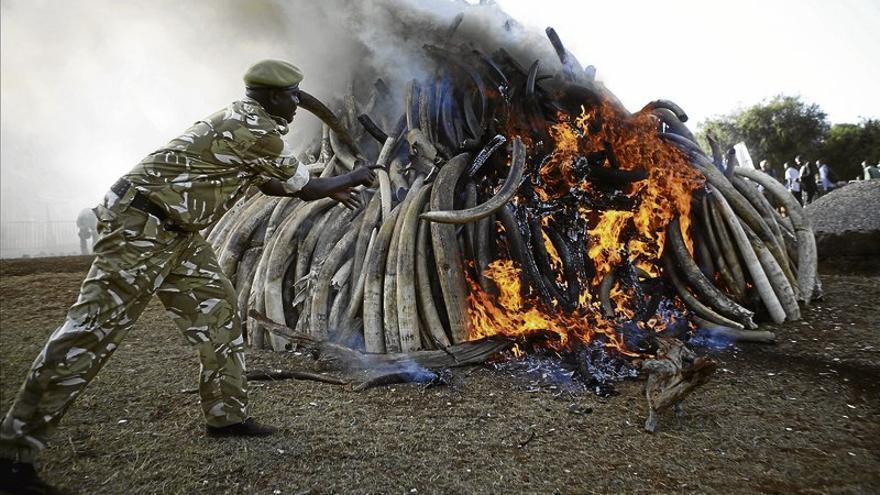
x=143, y=203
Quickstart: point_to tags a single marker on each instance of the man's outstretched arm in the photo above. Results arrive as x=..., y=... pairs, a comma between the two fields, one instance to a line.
x=340, y=187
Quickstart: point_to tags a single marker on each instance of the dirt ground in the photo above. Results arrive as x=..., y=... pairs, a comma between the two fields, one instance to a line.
x=802, y=416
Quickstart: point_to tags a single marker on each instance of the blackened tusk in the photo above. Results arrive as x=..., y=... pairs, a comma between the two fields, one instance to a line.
x=682, y=116
x=471, y=73
x=557, y=45
x=569, y=266
x=573, y=96
x=455, y=23
x=672, y=122
x=520, y=252
x=512, y=62
x=470, y=117
x=615, y=175
x=542, y=260
x=440, y=87
x=533, y=109
x=411, y=104
x=530, y=81
x=372, y=129
x=497, y=73
x=485, y=153
x=683, y=143
x=610, y=155
x=381, y=87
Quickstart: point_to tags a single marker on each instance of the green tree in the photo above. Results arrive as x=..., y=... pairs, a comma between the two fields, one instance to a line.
x=777, y=129
x=847, y=145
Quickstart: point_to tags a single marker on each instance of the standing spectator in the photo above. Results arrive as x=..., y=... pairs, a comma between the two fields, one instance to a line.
x=808, y=175
x=870, y=171
x=87, y=223
x=769, y=170
x=793, y=181
x=827, y=177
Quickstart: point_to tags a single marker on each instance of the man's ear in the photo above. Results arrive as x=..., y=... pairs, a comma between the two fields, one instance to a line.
x=274, y=97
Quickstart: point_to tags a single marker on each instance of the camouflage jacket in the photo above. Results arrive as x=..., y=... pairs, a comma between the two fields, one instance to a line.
x=198, y=176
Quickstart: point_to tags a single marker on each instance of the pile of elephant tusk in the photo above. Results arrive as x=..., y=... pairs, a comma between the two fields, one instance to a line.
x=608, y=220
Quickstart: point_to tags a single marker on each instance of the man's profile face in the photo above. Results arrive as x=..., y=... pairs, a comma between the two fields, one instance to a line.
x=286, y=102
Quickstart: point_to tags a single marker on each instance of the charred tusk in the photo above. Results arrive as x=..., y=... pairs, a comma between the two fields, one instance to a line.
x=372, y=129
x=485, y=153
x=671, y=106
x=673, y=123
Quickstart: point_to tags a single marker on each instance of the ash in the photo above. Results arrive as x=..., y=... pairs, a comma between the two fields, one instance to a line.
x=439, y=378
x=585, y=368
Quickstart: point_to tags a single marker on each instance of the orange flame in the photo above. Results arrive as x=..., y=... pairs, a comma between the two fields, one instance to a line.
x=663, y=195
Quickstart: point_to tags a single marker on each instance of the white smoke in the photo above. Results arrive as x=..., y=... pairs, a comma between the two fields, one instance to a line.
x=89, y=88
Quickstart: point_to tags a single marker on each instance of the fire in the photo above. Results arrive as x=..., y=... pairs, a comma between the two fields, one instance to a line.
x=635, y=235
x=512, y=315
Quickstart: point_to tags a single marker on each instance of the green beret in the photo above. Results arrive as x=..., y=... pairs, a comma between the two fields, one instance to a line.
x=272, y=74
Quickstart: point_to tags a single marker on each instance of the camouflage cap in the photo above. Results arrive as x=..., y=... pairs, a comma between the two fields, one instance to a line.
x=272, y=74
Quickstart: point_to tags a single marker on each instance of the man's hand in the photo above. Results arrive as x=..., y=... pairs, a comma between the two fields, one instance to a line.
x=348, y=197
x=362, y=176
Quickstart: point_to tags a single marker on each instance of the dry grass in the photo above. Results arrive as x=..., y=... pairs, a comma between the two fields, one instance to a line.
x=799, y=417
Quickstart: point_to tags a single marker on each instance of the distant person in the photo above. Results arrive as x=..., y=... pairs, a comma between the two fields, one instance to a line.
x=768, y=169
x=793, y=181
x=870, y=171
x=808, y=175
x=87, y=224
x=827, y=177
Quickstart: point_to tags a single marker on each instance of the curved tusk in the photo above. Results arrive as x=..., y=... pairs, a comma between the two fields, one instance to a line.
x=508, y=189
x=691, y=301
x=327, y=116
x=806, y=258
x=695, y=278
x=671, y=106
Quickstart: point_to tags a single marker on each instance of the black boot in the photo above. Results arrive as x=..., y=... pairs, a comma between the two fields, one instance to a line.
x=247, y=428
x=20, y=478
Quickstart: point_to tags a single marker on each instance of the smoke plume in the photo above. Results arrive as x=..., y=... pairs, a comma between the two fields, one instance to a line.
x=89, y=88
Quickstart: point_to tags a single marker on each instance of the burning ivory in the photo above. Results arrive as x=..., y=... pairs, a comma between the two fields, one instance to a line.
x=517, y=197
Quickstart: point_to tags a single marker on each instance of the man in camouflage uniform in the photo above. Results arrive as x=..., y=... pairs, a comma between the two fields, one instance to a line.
x=149, y=242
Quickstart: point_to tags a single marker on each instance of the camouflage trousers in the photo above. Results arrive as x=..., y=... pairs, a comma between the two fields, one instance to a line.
x=134, y=258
